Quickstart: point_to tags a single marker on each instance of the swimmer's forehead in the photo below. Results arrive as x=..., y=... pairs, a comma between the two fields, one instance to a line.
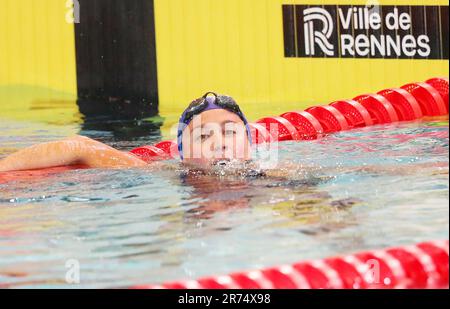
x=214, y=118
x=214, y=125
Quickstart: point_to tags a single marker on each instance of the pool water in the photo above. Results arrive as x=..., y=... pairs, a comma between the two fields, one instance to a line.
x=128, y=227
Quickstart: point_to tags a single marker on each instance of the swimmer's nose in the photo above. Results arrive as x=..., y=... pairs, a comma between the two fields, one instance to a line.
x=220, y=152
x=220, y=147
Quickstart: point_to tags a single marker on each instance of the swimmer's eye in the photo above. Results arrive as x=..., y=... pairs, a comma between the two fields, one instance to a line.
x=230, y=132
x=203, y=137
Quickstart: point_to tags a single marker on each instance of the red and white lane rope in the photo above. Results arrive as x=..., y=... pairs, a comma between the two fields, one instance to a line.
x=425, y=265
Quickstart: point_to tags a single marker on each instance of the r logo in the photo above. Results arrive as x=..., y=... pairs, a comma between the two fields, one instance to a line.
x=313, y=37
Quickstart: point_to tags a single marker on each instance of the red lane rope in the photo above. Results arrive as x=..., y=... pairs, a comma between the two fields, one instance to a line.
x=424, y=265
x=150, y=153
x=280, y=128
x=379, y=108
x=409, y=102
x=357, y=115
x=330, y=118
x=404, y=103
x=430, y=99
x=260, y=134
x=441, y=85
x=305, y=123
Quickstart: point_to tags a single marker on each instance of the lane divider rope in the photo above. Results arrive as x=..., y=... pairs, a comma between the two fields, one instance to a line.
x=425, y=265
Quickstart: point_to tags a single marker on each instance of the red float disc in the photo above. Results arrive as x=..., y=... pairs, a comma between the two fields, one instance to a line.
x=378, y=107
x=441, y=85
x=280, y=128
x=439, y=257
x=330, y=118
x=149, y=153
x=259, y=133
x=418, y=266
x=405, y=104
x=356, y=114
x=380, y=274
x=429, y=98
x=306, y=124
x=348, y=273
x=169, y=147
x=414, y=270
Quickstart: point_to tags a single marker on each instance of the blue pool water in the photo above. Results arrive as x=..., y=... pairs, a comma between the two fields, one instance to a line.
x=127, y=227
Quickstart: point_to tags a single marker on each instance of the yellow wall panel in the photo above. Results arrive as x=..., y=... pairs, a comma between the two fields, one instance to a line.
x=37, y=45
x=236, y=47
x=229, y=46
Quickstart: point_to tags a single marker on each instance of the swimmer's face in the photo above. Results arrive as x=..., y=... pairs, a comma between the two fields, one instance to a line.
x=215, y=135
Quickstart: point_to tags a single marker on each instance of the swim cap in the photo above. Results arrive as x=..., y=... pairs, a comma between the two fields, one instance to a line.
x=203, y=104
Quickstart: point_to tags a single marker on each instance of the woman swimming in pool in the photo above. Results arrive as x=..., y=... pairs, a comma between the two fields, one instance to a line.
x=213, y=137
x=213, y=133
